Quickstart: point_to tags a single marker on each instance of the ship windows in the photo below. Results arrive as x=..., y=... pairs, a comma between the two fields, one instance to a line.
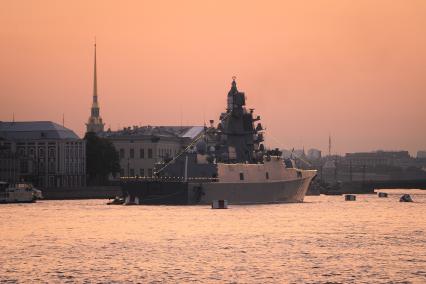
x=267, y=175
x=241, y=176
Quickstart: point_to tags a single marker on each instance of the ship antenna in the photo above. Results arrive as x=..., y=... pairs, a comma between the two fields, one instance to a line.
x=204, y=118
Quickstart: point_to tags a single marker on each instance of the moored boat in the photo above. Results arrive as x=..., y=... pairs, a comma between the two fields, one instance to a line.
x=18, y=193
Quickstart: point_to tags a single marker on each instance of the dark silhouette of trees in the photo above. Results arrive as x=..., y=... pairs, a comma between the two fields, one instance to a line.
x=101, y=159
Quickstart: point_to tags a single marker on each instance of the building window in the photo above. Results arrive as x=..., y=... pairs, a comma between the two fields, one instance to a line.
x=51, y=167
x=150, y=153
x=132, y=172
x=21, y=151
x=122, y=172
x=132, y=153
x=142, y=153
x=267, y=175
x=24, y=166
x=51, y=152
x=51, y=181
x=41, y=167
x=150, y=172
x=241, y=176
x=121, y=153
x=141, y=172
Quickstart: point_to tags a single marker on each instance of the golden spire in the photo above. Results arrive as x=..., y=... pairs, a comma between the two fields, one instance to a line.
x=95, y=82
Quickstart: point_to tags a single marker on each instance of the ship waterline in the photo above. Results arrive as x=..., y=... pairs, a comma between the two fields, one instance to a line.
x=253, y=193
x=189, y=193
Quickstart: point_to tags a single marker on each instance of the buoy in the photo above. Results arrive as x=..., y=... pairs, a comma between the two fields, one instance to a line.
x=406, y=198
x=350, y=197
x=220, y=204
x=382, y=194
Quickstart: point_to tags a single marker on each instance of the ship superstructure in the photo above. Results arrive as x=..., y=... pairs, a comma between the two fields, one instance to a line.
x=228, y=162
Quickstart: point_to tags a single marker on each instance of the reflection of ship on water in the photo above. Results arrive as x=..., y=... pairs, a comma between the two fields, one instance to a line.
x=226, y=162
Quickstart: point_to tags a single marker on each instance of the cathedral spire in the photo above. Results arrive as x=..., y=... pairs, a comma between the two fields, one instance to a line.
x=95, y=81
x=95, y=123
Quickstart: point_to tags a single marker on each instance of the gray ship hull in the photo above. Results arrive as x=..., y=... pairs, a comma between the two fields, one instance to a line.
x=187, y=193
x=252, y=193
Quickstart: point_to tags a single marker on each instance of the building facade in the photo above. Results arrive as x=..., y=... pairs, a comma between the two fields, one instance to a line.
x=314, y=154
x=44, y=153
x=141, y=148
x=378, y=158
x=9, y=162
x=421, y=154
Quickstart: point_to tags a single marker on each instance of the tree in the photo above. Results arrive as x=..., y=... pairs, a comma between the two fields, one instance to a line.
x=101, y=158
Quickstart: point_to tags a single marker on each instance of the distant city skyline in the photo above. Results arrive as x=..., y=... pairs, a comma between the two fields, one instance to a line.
x=354, y=71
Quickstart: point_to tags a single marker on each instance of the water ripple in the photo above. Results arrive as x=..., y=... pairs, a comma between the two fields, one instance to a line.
x=325, y=240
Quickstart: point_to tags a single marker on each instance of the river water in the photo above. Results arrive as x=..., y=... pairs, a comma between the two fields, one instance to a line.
x=323, y=240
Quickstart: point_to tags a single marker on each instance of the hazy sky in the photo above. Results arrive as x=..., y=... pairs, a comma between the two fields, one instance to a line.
x=354, y=69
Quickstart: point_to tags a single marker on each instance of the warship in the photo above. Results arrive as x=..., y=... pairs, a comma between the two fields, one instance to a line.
x=225, y=162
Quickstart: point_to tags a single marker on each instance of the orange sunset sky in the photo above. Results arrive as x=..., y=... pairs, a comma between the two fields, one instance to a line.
x=354, y=69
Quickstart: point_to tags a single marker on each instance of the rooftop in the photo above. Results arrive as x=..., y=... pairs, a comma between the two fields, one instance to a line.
x=379, y=154
x=35, y=130
x=159, y=131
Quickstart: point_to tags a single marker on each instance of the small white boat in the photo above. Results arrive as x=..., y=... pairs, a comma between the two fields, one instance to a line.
x=18, y=193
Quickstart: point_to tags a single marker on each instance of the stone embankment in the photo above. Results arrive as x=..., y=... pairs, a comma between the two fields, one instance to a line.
x=88, y=192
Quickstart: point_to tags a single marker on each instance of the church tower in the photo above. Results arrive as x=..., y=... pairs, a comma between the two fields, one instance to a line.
x=95, y=124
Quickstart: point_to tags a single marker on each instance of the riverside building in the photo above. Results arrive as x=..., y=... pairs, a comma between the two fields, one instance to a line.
x=140, y=148
x=43, y=153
